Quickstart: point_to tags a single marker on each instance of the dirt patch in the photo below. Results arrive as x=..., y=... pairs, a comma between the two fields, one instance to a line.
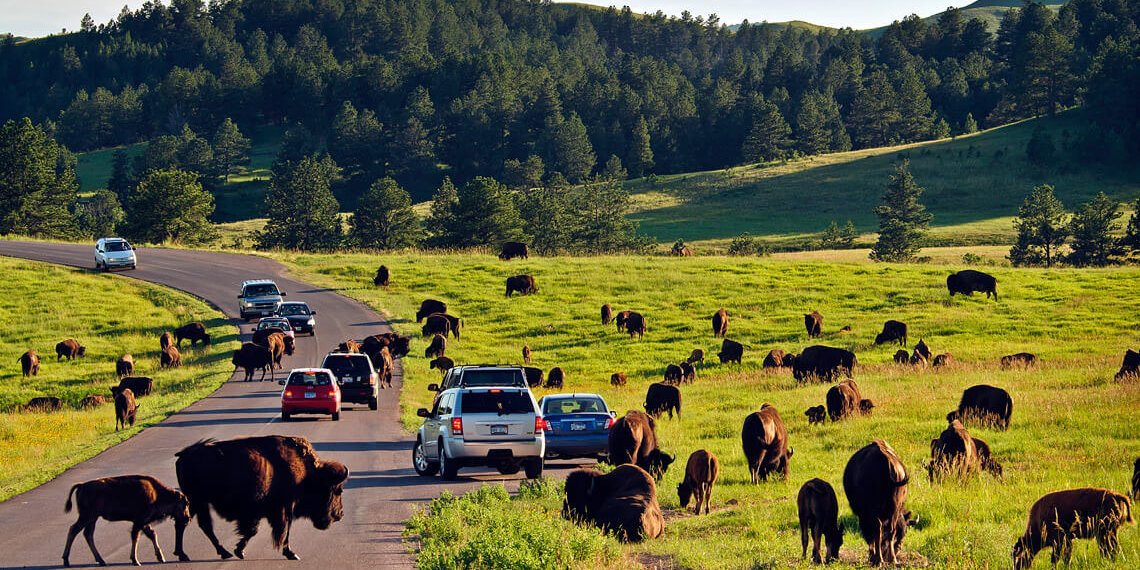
x=656, y=561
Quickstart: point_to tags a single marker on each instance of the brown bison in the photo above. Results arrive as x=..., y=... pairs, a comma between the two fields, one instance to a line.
x=443, y=364
x=437, y=348
x=720, y=323
x=69, y=348
x=902, y=357
x=688, y=373
x=730, y=351
x=385, y=367
x=555, y=379
x=436, y=324
x=607, y=314
x=620, y=318
x=348, y=346
x=125, y=407
x=673, y=374
x=170, y=357
x=823, y=363
x=953, y=453
x=695, y=357
x=526, y=352
x=454, y=323
x=813, y=322
x=918, y=360
x=700, y=475
x=534, y=376
x=661, y=398
x=819, y=515
x=251, y=357
x=165, y=340
x=633, y=439
x=893, y=331
x=923, y=350
x=273, y=477
x=30, y=363
x=1130, y=368
x=382, y=277
x=765, y=440
x=622, y=502
x=875, y=482
x=92, y=401
x=635, y=325
x=1023, y=359
x=816, y=415
x=986, y=458
x=139, y=385
x=276, y=341
x=194, y=332
x=125, y=366
x=513, y=249
x=969, y=281
x=986, y=405
x=618, y=379
x=1058, y=518
x=44, y=404
x=775, y=358
x=430, y=307
x=942, y=360
x=140, y=499
x=521, y=284
x=844, y=400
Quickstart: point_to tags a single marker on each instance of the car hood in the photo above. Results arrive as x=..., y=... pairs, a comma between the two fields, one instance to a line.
x=275, y=298
x=119, y=254
x=299, y=318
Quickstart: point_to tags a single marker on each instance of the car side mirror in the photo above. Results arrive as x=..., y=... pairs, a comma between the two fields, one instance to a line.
x=312, y=312
x=281, y=382
x=239, y=296
x=423, y=413
x=283, y=293
x=433, y=387
x=613, y=413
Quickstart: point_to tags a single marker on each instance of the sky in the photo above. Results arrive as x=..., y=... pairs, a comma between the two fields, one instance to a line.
x=42, y=17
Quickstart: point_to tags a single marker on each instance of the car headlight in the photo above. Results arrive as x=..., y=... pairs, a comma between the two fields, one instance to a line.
x=311, y=322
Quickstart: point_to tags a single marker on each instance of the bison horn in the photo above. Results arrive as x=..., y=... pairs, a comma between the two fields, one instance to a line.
x=334, y=472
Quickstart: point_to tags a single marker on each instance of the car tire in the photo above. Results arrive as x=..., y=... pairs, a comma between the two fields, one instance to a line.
x=508, y=469
x=285, y=416
x=423, y=467
x=447, y=469
x=373, y=403
x=533, y=468
x=336, y=416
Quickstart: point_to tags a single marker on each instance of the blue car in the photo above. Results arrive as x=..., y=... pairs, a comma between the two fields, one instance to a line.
x=576, y=425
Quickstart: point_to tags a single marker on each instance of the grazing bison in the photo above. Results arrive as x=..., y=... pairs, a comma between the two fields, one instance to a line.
x=635, y=325
x=844, y=400
x=633, y=439
x=1058, y=518
x=617, y=379
x=194, y=332
x=986, y=405
x=720, y=323
x=430, y=307
x=775, y=358
x=526, y=352
x=534, y=376
x=944, y=359
x=823, y=363
x=816, y=415
x=555, y=378
x=918, y=360
x=273, y=477
x=765, y=440
x=382, y=277
x=251, y=357
x=1136, y=479
x=521, y=284
x=695, y=357
x=165, y=340
x=730, y=351
x=44, y=404
x=875, y=482
x=443, y=364
x=819, y=516
x=986, y=458
x=125, y=407
x=607, y=314
x=620, y=318
x=436, y=324
x=170, y=357
x=923, y=350
x=902, y=357
x=700, y=475
x=125, y=365
x=139, y=385
x=140, y=499
x=661, y=398
x=1023, y=359
x=348, y=346
x=953, y=453
x=92, y=401
x=673, y=374
x=688, y=373
x=1130, y=368
x=622, y=502
x=437, y=348
x=69, y=348
x=969, y=281
x=893, y=331
x=30, y=363
x=813, y=322
x=513, y=249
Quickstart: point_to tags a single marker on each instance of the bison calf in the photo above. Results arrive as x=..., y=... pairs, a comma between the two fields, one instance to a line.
x=1023, y=359
x=816, y=414
x=700, y=475
x=140, y=499
x=1058, y=518
x=30, y=363
x=125, y=407
x=437, y=348
x=443, y=364
x=125, y=366
x=697, y=356
x=819, y=515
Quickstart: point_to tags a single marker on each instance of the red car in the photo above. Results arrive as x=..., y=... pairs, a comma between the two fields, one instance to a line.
x=310, y=391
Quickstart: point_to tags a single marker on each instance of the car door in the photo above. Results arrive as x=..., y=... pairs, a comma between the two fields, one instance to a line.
x=432, y=425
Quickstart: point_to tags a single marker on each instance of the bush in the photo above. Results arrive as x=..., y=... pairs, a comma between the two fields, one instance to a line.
x=746, y=244
x=971, y=259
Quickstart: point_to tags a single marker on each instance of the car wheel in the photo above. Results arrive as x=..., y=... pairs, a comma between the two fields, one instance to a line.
x=373, y=403
x=447, y=470
x=508, y=468
x=420, y=463
x=533, y=468
x=336, y=416
x=285, y=416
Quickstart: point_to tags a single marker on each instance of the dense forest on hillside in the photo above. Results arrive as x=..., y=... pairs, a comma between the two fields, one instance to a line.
x=519, y=90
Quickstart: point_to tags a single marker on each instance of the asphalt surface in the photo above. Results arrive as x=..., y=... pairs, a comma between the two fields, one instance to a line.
x=379, y=495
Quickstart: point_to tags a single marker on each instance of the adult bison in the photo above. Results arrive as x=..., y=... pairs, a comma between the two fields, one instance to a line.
x=875, y=482
x=251, y=357
x=893, y=331
x=194, y=332
x=633, y=439
x=730, y=351
x=968, y=281
x=607, y=314
x=1130, y=368
x=823, y=363
x=125, y=365
x=555, y=379
x=765, y=442
x=688, y=373
x=44, y=404
x=165, y=339
x=430, y=307
x=986, y=405
x=620, y=318
x=819, y=514
x=534, y=376
x=139, y=385
x=635, y=325
x=30, y=363
x=844, y=400
x=1058, y=518
x=701, y=473
x=437, y=348
x=274, y=341
x=272, y=477
x=382, y=277
x=526, y=352
x=953, y=453
x=775, y=358
x=70, y=349
x=617, y=379
x=513, y=249
x=521, y=284
x=140, y=499
x=673, y=374
x=1024, y=360
x=622, y=502
x=697, y=356
x=720, y=323
x=436, y=324
x=813, y=322
x=661, y=398
x=170, y=357
x=125, y=407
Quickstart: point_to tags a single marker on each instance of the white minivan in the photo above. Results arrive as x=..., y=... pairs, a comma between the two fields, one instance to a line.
x=111, y=253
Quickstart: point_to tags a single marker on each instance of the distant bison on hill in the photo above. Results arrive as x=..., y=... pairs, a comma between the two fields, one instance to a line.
x=521, y=284
x=893, y=331
x=513, y=249
x=635, y=325
x=730, y=351
x=125, y=365
x=813, y=322
x=987, y=405
x=823, y=363
x=194, y=332
x=430, y=307
x=1130, y=368
x=70, y=349
x=1023, y=359
x=30, y=363
x=382, y=277
x=720, y=323
x=968, y=281
x=607, y=314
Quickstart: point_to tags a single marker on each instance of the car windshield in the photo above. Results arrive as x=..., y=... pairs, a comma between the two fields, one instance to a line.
x=573, y=406
x=283, y=325
x=491, y=378
x=117, y=246
x=261, y=290
x=310, y=379
x=348, y=365
x=496, y=402
x=290, y=309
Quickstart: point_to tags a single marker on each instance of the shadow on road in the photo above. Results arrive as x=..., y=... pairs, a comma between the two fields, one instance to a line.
x=173, y=423
x=347, y=446
x=273, y=410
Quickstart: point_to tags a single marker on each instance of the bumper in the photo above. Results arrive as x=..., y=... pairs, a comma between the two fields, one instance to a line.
x=470, y=453
x=124, y=262
x=302, y=326
x=591, y=445
x=310, y=407
x=357, y=395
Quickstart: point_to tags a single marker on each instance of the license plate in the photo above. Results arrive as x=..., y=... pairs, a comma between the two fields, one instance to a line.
x=310, y=395
x=498, y=430
x=348, y=379
x=577, y=426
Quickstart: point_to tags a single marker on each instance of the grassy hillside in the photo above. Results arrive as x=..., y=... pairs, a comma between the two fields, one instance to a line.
x=974, y=185
x=989, y=11
x=1072, y=424
x=110, y=315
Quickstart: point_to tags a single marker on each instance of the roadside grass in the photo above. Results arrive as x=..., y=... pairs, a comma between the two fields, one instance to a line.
x=1072, y=424
x=110, y=315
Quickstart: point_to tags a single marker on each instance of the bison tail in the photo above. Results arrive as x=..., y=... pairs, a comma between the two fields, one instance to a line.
x=905, y=480
x=67, y=505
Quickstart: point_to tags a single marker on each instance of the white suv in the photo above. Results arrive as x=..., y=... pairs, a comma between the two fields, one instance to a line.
x=467, y=427
x=114, y=252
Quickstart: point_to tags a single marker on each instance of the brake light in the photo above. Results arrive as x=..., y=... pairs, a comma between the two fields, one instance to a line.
x=541, y=424
x=456, y=426
x=609, y=423
x=371, y=380
x=288, y=393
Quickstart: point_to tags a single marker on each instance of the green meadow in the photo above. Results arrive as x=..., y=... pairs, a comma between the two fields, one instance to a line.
x=1072, y=426
x=109, y=315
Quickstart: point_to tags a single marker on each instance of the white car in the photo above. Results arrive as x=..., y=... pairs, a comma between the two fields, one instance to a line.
x=279, y=323
x=111, y=253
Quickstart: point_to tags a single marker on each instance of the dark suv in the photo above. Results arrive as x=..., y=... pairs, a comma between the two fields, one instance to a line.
x=481, y=375
x=358, y=380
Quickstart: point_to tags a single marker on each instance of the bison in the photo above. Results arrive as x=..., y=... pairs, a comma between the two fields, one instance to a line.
x=170, y=357
x=273, y=477
x=775, y=358
x=92, y=401
x=534, y=376
x=943, y=360
x=526, y=352
x=688, y=373
x=443, y=364
x=125, y=407
x=953, y=452
x=986, y=405
x=125, y=365
x=1136, y=479
x=819, y=515
x=813, y=322
x=700, y=475
x=695, y=357
x=69, y=348
x=823, y=363
x=633, y=439
x=635, y=325
x=436, y=324
x=844, y=399
x=140, y=499
x=617, y=379
x=430, y=307
x=986, y=458
x=607, y=314
x=673, y=374
x=513, y=249
x=1130, y=368
x=923, y=350
x=1023, y=359
x=902, y=357
x=1058, y=518
x=875, y=482
x=30, y=363
x=893, y=331
x=555, y=378
x=44, y=404
x=384, y=367
x=165, y=340
x=139, y=385
x=730, y=351
x=348, y=346
x=661, y=398
x=622, y=502
x=382, y=277
x=720, y=323
x=765, y=441
x=816, y=415
x=521, y=284
x=620, y=318
x=194, y=332
x=968, y=281
x=251, y=357
x=437, y=348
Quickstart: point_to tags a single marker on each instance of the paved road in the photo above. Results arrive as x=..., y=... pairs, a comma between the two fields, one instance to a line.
x=379, y=495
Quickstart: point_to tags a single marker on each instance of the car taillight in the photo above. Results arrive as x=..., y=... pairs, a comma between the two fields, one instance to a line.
x=456, y=426
x=288, y=393
x=609, y=423
x=371, y=380
x=541, y=424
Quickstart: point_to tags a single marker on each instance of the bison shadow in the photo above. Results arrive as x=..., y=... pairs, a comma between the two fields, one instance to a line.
x=374, y=323
x=172, y=422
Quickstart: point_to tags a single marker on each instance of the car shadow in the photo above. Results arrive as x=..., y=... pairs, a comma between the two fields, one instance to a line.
x=349, y=446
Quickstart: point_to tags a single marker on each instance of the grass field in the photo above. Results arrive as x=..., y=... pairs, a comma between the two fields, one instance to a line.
x=110, y=315
x=1072, y=424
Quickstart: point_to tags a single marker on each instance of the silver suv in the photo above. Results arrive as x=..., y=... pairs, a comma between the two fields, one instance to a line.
x=476, y=375
x=259, y=298
x=496, y=427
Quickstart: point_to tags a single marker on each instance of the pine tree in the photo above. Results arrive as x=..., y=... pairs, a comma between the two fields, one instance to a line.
x=384, y=218
x=640, y=157
x=902, y=218
x=549, y=219
x=1040, y=228
x=37, y=183
x=194, y=152
x=440, y=224
x=523, y=175
x=120, y=181
x=812, y=136
x=971, y=126
x=613, y=170
x=571, y=151
x=874, y=112
x=1131, y=239
x=231, y=149
x=99, y=215
x=303, y=213
x=1092, y=227
x=916, y=120
x=768, y=139
x=170, y=206
x=486, y=214
x=602, y=224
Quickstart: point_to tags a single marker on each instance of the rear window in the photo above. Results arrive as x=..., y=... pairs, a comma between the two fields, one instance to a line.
x=310, y=379
x=350, y=365
x=573, y=406
x=491, y=378
x=501, y=403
